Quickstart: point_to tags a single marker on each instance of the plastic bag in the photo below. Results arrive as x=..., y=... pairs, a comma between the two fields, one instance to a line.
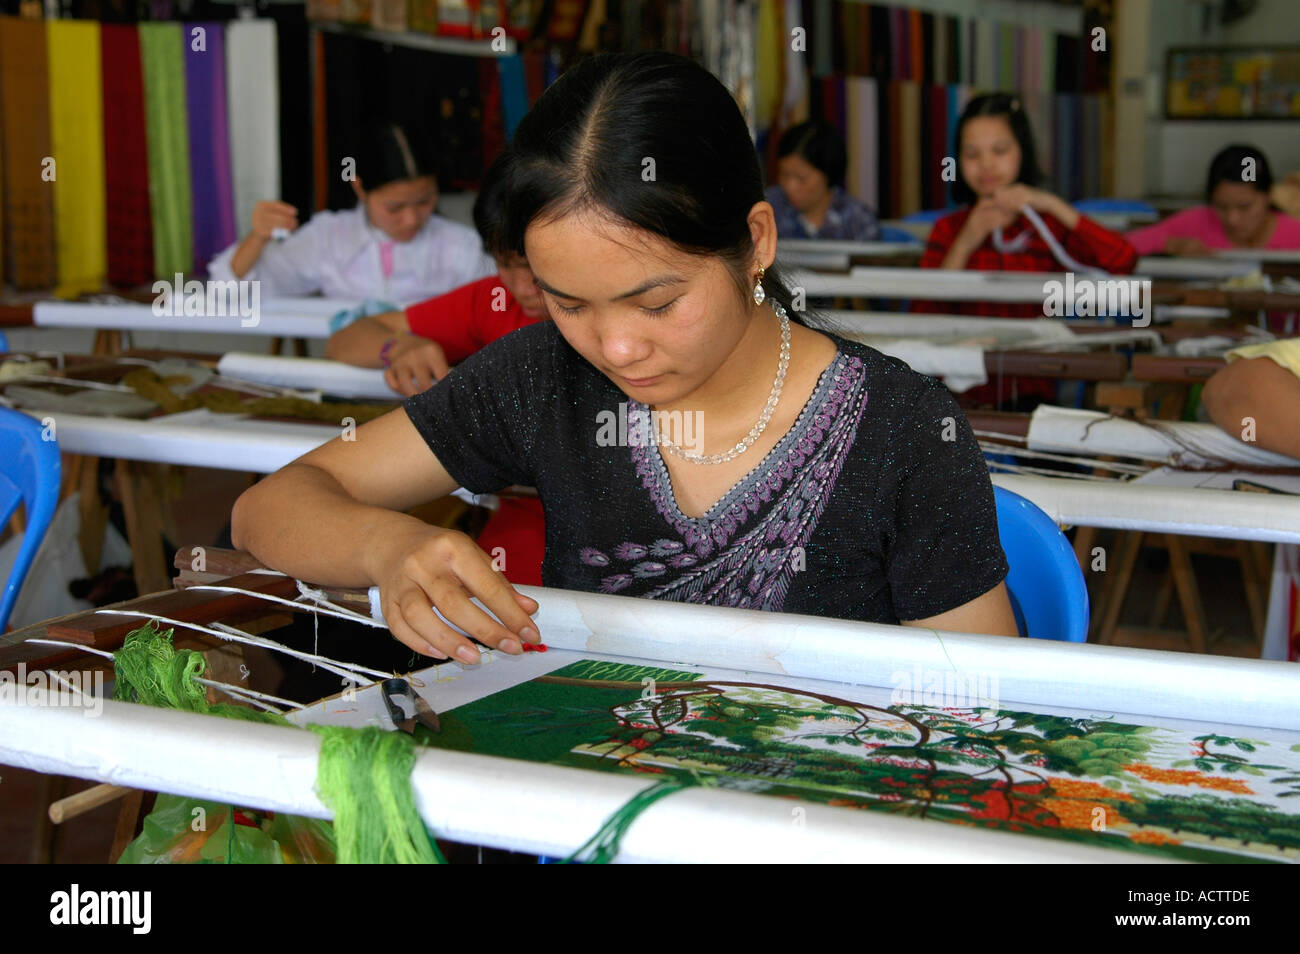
x=192, y=831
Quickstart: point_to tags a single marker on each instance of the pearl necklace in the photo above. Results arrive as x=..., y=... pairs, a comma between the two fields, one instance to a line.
x=763, y=418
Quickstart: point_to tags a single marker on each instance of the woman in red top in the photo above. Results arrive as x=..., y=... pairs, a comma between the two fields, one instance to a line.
x=996, y=180
x=418, y=346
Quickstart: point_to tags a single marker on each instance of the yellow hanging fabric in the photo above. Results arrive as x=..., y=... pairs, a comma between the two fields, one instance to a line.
x=767, y=78
x=77, y=137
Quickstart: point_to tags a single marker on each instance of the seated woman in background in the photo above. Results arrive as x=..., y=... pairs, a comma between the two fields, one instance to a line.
x=690, y=438
x=390, y=247
x=996, y=183
x=418, y=346
x=1262, y=383
x=810, y=202
x=1239, y=214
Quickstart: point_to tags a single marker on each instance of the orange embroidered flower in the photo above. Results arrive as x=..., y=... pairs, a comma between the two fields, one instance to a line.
x=1079, y=813
x=1078, y=788
x=1189, y=777
x=1153, y=838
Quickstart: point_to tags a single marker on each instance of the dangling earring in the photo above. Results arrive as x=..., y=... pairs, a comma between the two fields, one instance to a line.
x=759, y=295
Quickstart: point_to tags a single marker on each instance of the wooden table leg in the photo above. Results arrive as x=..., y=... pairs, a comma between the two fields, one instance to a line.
x=1180, y=566
x=94, y=515
x=142, y=489
x=1129, y=545
x=128, y=819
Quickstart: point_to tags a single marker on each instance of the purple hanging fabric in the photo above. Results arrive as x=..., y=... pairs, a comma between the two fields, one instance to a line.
x=211, y=187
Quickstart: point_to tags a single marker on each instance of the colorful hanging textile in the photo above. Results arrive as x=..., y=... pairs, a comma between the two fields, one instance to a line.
x=936, y=118
x=211, y=189
x=77, y=137
x=126, y=159
x=169, y=160
x=493, y=132
x=25, y=113
x=253, y=103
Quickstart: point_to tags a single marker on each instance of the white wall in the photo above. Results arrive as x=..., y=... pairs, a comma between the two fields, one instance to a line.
x=1178, y=153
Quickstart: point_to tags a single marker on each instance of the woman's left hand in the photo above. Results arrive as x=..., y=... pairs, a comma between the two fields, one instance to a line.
x=1018, y=197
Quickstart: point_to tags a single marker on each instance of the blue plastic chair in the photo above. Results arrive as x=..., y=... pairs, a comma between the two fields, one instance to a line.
x=927, y=215
x=29, y=472
x=1048, y=594
x=4, y=343
x=890, y=233
x=1115, y=206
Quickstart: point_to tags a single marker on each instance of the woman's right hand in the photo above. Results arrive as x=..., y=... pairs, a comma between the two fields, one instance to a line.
x=272, y=214
x=428, y=567
x=415, y=364
x=985, y=216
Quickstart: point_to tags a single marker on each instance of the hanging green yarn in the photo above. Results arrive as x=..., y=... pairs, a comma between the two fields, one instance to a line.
x=364, y=777
x=148, y=669
x=602, y=847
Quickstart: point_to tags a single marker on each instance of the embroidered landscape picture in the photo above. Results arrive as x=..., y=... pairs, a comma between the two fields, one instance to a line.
x=1207, y=797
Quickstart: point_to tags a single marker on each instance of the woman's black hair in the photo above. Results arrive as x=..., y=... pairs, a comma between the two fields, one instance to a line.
x=656, y=141
x=820, y=145
x=1230, y=166
x=489, y=208
x=1009, y=107
x=390, y=152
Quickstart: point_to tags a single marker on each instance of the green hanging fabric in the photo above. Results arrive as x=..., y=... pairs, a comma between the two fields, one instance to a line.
x=167, y=130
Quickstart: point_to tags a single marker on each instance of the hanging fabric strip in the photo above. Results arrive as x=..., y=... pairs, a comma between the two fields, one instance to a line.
x=126, y=159
x=162, y=55
x=910, y=157
x=822, y=38
x=989, y=63
x=77, y=136
x=870, y=126
x=856, y=139
x=211, y=189
x=768, y=66
x=936, y=116
x=916, y=42
x=514, y=92
x=939, y=51
x=25, y=112
x=252, y=102
x=319, y=127
x=882, y=50
x=794, y=105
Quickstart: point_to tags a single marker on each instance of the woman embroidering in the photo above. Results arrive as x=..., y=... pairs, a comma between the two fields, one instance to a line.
x=827, y=478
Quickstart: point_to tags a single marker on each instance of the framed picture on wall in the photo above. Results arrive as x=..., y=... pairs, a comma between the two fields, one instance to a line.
x=1254, y=83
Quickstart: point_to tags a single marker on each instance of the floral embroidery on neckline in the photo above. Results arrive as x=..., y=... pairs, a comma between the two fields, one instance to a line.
x=719, y=523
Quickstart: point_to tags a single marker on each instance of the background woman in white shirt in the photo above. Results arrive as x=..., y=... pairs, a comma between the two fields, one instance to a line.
x=390, y=247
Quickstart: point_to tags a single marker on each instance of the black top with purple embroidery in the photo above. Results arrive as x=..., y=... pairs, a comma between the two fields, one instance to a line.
x=875, y=506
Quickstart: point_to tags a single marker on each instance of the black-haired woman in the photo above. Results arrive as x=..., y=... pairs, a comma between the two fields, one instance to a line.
x=1239, y=213
x=997, y=184
x=690, y=439
x=810, y=201
x=390, y=248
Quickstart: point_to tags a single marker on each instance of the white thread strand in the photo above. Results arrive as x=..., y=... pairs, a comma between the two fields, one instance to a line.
x=230, y=634
x=60, y=642
x=251, y=696
x=1132, y=469
x=340, y=612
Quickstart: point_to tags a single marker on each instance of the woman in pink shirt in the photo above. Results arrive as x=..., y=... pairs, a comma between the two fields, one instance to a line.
x=1239, y=214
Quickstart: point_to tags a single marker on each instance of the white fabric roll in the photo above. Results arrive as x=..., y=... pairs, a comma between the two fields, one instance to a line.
x=307, y=374
x=1067, y=429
